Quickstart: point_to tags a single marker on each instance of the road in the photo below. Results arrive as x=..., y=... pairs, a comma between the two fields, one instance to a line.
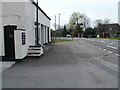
x=76, y=64
x=109, y=46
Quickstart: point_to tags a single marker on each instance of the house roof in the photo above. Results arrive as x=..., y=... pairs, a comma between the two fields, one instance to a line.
x=113, y=25
x=40, y=9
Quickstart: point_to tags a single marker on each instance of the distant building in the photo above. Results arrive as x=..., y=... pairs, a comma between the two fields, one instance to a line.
x=108, y=30
x=19, y=32
x=119, y=12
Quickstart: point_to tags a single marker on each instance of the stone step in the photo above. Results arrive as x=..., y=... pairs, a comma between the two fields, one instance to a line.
x=35, y=48
x=35, y=51
x=35, y=54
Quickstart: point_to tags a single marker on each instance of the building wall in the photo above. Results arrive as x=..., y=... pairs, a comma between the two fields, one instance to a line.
x=20, y=14
x=44, y=22
x=22, y=51
x=29, y=23
x=43, y=19
x=1, y=32
x=119, y=12
x=13, y=14
x=23, y=15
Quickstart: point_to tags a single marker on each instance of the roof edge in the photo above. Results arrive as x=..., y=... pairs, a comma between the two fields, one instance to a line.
x=40, y=9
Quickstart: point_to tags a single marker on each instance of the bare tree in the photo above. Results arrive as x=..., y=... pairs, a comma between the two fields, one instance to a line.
x=77, y=18
x=98, y=22
x=85, y=21
x=106, y=21
x=77, y=22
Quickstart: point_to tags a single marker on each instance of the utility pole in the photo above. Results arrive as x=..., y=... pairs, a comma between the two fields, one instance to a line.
x=55, y=27
x=59, y=24
x=55, y=22
x=37, y=39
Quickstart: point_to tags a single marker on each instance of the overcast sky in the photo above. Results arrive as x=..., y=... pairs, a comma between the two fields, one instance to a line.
x=94, y=9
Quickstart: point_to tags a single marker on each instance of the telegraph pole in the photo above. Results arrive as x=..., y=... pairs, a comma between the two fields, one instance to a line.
x=55, y=27
x=59, y=24
x=55, y=22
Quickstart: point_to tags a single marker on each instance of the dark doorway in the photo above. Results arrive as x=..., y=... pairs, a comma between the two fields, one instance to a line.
x=9, y=42
x=37, y=36
x=48, y=34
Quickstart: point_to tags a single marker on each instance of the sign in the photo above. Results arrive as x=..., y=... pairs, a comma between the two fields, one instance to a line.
x=23, y=38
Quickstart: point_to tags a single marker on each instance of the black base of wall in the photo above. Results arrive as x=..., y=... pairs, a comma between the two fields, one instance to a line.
x=11, y=59
x=7, y=58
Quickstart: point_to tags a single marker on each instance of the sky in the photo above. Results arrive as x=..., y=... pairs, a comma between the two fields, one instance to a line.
x=94, y=9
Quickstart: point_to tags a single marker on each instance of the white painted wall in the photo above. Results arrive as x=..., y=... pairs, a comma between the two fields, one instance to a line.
x=40, y=38
x=46, y=23
x=119, y=12
x=29, y=23
x=9, y=17
x=13, y=14
x=20, y=14
x=21, y=52
x=1, y=29
x=50, y=35
x=46, y=34
x=23, y=15
x=43, y=19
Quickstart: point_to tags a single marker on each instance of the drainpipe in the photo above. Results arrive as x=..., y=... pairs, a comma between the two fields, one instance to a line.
x=37, y=23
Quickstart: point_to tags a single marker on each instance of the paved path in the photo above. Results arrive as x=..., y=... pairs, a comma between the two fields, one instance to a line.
x=66, y=65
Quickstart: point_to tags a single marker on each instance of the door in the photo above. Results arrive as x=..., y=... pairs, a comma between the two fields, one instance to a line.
x=9, y=41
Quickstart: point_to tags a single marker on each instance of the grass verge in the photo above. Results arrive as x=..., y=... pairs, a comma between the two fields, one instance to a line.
x=62, y=40
x=110, y=38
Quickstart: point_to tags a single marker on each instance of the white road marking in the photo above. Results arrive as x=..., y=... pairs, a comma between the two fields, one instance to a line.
x=102, y=41
x=112, y=47
x=105, y=62
x=102, y=56
x=104, y=49
x=100, y=48
x=112, y=43
x=110, y=52
x=117, y=54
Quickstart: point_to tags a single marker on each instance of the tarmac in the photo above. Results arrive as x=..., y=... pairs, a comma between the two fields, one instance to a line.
x=4, y=65
x=65, y=65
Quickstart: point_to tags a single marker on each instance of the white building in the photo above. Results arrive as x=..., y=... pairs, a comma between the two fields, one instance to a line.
x=18, y=33
x=119, y=12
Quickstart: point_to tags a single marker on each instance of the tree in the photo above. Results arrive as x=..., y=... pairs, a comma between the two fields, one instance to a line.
x=85, y=21
x=99, y=25
x=106, y=21
x=73, y=20
x=53, y=33
x=78, y=30
x=64, y=32
x=77, y=22
x=98, y=22
x=90, y=32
